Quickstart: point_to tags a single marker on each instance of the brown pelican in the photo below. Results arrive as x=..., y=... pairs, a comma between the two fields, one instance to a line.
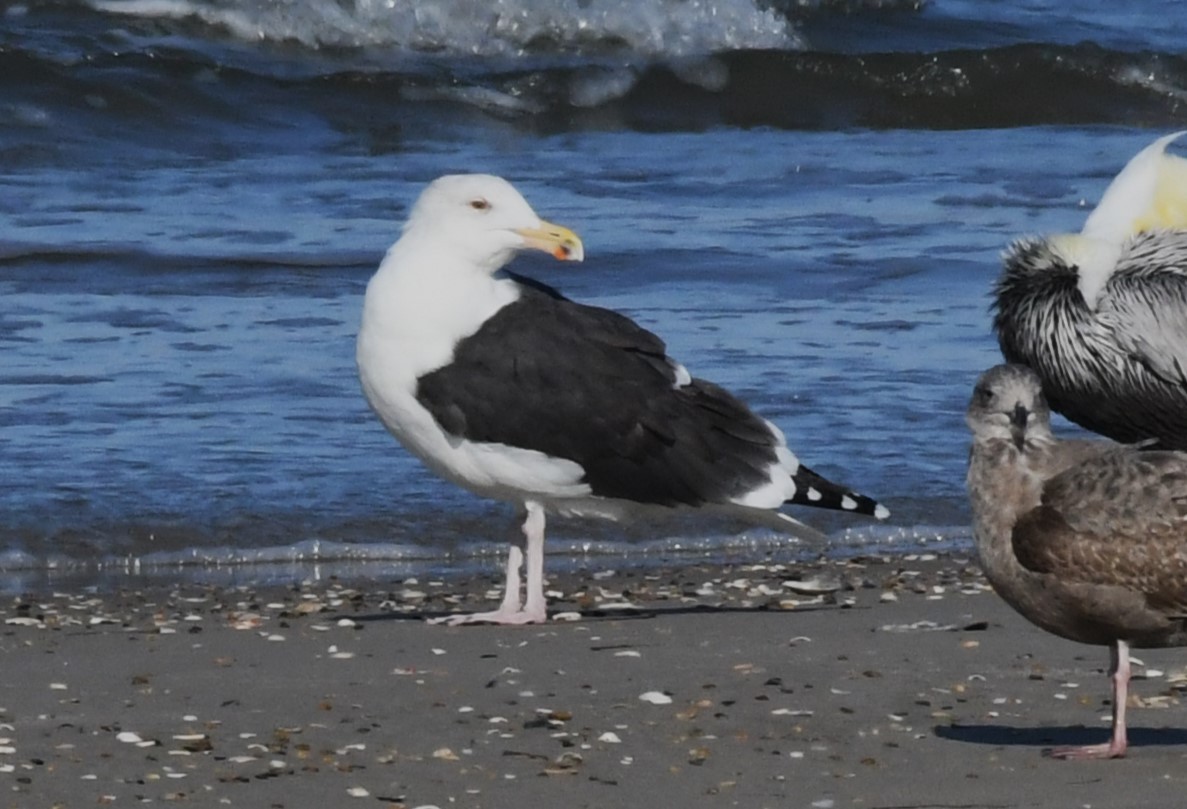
x=505, y=387
x=1101, y=315
x=1087, y=539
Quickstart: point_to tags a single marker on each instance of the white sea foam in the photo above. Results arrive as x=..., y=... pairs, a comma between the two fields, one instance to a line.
x=501, y=28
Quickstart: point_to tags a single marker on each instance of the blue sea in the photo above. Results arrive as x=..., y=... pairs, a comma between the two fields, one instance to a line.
x=806, y=198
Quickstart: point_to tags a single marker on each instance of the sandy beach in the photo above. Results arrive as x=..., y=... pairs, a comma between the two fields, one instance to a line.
x=880, y=683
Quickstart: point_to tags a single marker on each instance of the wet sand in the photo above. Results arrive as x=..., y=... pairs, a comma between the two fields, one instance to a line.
x=905, y=683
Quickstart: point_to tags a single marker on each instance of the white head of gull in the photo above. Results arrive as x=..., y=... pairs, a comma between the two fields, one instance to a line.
x=1086, y=539
x=507, y=388
x=1099, y=314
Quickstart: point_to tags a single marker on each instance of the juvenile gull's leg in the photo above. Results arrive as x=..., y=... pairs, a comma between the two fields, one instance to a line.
x=1119, y=673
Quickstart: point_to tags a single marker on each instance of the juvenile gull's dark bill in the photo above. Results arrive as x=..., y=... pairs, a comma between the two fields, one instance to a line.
x=1087, y=539
x=505, y=387
x=1101, y=315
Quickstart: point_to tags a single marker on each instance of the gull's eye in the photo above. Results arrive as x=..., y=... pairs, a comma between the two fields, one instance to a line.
x=479, y=204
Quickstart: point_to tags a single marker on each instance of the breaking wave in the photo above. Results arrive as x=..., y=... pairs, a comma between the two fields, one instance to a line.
x=502, y=28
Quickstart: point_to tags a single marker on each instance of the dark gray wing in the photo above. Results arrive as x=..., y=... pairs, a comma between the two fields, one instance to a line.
x=590, y=385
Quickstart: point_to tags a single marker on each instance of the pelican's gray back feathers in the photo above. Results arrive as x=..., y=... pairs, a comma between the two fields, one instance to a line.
x=1121, y=369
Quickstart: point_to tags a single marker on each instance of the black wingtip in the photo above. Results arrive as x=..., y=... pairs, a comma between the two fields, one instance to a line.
x=818, y=492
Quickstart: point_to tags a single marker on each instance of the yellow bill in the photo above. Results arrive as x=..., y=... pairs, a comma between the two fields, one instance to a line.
x=556, y=240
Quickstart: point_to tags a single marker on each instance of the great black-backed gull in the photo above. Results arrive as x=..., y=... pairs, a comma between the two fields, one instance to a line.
x=1101, y=315
x=505, y=387
x=1087, y=539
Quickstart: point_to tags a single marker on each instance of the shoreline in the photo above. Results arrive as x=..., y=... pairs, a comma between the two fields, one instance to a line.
x=868, y=682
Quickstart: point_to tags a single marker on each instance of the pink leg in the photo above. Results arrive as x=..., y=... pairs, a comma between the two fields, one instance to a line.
x=533, y=531
x=1119, y=672
x=512, y=610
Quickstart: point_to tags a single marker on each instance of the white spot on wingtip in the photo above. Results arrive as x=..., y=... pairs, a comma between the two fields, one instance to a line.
x=848, y=503
x=814, y=495
x=881, y=512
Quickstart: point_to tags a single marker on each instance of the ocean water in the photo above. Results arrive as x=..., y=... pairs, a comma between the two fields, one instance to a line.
x=807, y=200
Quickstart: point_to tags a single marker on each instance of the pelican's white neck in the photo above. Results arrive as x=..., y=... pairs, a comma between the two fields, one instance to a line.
x=1094, y=260
x=1147, y=194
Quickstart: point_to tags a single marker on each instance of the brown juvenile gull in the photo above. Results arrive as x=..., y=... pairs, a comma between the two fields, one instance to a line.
x=1101, y=315
x=1087, y=539
x=507, y=388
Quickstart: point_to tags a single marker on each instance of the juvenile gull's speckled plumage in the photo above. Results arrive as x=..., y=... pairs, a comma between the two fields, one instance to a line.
x=504, y=386
x=1087, y=539
x=1102, y=315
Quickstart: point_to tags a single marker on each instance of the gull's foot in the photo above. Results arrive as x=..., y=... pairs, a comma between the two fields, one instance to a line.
x=1086, y=752
x=502, y=617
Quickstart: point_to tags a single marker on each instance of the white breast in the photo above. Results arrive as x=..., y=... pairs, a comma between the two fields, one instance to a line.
x=411, y=323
